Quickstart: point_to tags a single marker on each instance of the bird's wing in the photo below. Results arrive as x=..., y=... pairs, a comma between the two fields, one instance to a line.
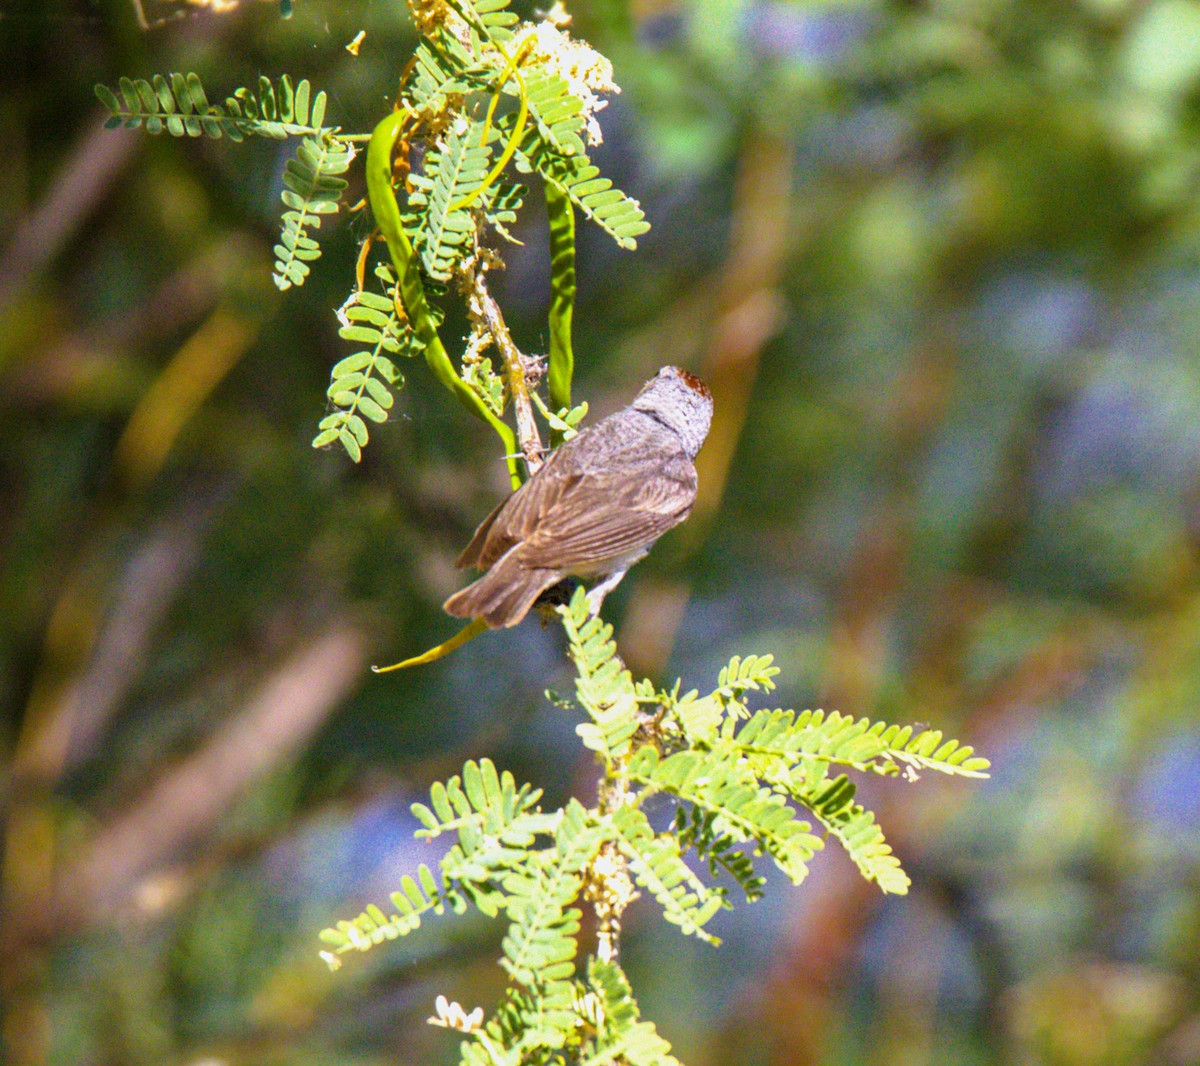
x=515, y=518
x=623, y=515
x=473, y=553
x=608, y=491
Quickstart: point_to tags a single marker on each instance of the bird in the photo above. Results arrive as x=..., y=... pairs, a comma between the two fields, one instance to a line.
x=595, y=507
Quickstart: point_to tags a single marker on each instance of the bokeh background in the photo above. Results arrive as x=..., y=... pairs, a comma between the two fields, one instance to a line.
x=940, y=262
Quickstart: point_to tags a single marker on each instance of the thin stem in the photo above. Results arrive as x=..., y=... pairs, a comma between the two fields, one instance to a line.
x=519, y=368
x=609, y=888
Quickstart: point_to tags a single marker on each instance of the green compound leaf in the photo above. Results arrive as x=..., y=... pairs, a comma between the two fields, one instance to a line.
x=656, y=862
x=619, y=1033
x=556, y=111
x=453, y=170
x=620, y=216
x=312, y=187
x=856, y=830
x=178, y=105
x=604, y=688
x=361, y=383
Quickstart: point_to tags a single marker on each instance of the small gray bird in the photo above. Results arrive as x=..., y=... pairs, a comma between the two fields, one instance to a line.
x=597, y=505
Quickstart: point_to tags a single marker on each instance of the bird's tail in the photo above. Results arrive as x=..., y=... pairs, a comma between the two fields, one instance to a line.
x=503, y=596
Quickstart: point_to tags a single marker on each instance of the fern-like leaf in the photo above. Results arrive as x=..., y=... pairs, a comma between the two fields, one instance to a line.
x=621, y=1035
x=620, y=216
x=604, y=688
x=178, y=105
x=540, y=946
x=578, y=838
x=542, y=940
x=856, y=830
x=657, y=865
x=928, y=750
x=438, y=70
x=497, y=825
x=754, y=673
x=361, y=382
x=701, y=718
x=501, y=204
x=373, y=926
x=770, y=736
x=495, y=822
x=529, y=1026
x=743, y=810
x=699, y=829
x=556, y=111
x=453, y=170
x=312, y=187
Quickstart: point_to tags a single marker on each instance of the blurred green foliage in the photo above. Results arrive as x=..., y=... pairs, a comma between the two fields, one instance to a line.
x=939, y=262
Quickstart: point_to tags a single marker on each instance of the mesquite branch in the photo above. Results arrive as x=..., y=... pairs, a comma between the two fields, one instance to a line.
x=521, y=371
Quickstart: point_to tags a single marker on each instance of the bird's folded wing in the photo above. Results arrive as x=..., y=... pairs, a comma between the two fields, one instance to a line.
x=602, y=494
x=515, y=517
x=621, y=518
x=473, y=553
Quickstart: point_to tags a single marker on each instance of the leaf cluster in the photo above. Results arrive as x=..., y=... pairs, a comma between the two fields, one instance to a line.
x=178, y=104
x=313, y=184
x=510, y=858
x=741, y=778
x=457, y=83
x=493, y=55
x=745, y=784
x=486, y=89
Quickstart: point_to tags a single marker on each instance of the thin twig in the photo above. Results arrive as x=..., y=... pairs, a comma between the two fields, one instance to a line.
x=521, y=371
x=609, y=888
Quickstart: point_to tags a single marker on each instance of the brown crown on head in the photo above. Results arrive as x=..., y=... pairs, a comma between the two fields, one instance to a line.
x=694, y=383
